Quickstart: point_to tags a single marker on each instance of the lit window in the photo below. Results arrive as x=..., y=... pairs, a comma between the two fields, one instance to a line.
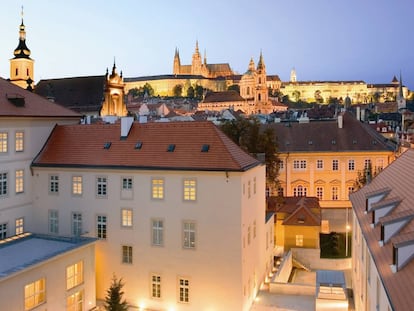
x=189, y=190
x=77, y=185
x=19, y=141
x=3, y=231
x=184, y=285
x=74, y=275
x=300, y=191
x=74, y=302
x=157, y=188
x=156, y=286
x=335, y=193
x=126, y=254
x=34, y=294
x=335, y=165
x=126, y=217
x=189, y=234
x=19, y=181
x=299, y=240
x=76, y=224
x=319, y=164
x=319, y=193
x=54, y=184
x=351, y=165
x=101, y=187
x=3, y=142
x=157, y=232
x=101, y=226
x=53, y=221
x=126, y=183
x=19, y=224
x=3, y=185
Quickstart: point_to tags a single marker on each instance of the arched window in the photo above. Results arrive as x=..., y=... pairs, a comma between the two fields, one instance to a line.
x=299, y=191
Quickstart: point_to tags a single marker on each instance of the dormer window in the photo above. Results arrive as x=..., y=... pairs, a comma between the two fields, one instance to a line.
x=171, y=148
x=205, y=148
x=107, y=145
x=138, y=145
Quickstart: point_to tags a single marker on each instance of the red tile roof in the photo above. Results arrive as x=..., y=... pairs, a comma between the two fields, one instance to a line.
x=18, y=102
x=83, y=146
x=396, y=181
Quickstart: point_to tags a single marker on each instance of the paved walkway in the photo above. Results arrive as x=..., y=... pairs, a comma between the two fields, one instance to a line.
x=266, y=301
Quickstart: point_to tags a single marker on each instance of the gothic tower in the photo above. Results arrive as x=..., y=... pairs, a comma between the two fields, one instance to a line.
x=196, y=64
x=177, y=63
x=293, y=75
x=401, y=103
x=114, y=93
x=21, y=66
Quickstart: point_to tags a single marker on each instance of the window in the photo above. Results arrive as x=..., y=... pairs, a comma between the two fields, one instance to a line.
x=319, y=193
x=299, y=164
x=367, y=164
x=157, y=188
x=335, y=193
x=351, y=165
x=126, y=217
x=189, y=234
x=19, y=225
x=34, y=294
x=74, y=275
x=155, y=286
x=280, y=191
x=101, y=187
x=101, y=226
x=3, y=142
x=53, y=221
x=77, y=185
x=319, y=164
x=184, y=286
x=74, y=302
x=126, y=183
x=248, y=189
x=350, y=189
x=3, y=231
x=157, y=232
x=3, y=185
x=19, y=181
x=335, y=165
x=281, y=165
x=380, y=164
x=254, y=185
x=54, y=184
x=19, y=141
x=76, y=224
x=190, y=190
x=299, y=240
x=300, y=191
x=248, y=235
x=127, y=254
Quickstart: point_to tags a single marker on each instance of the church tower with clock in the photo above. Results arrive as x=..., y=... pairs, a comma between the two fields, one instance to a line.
x=21, y=65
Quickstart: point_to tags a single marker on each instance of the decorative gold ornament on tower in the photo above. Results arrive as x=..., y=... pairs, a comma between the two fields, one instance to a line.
x=114, y=92
x=21, y=66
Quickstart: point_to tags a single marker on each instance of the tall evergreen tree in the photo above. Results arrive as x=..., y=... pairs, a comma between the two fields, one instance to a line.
x=113, y=299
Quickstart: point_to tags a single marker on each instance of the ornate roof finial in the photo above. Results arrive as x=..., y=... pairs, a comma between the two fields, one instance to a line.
x=22, y=50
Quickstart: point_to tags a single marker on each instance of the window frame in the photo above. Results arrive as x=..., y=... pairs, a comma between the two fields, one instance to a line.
x=183, y=290
x=319, y=192
x=4, y=184
x=127, y=183
x=101, y=226
x=319, y=164
x=4, y=230
x=351, y=165
x=101, y=183
x=4, y=142
x=335, y=165
x=189, y=231
x=77, y=185
x=75, y=301
x=299, y=240
x=156, y=286
x=189, y=189
x=53, y=184
x=157, y=188
x=38, y=294
x=19, y=141
x=335, y=193
x=76, y=223
x=53, y=221
x=157, y=232
x=127, y=252
x=127, y=217
x=19, y=225
x=19, y=181
x=74, y=275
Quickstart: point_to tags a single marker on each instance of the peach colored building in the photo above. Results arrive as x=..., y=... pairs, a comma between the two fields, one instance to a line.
x=178, y=208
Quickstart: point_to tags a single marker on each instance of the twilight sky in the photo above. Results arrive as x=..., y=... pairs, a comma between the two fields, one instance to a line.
x=370, y=40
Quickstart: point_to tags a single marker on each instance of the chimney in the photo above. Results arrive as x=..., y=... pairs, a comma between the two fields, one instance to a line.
x=340, y=121
x=126, y=123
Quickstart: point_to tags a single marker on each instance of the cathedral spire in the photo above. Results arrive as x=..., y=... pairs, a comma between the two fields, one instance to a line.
x=22, y=51
x=260, y=64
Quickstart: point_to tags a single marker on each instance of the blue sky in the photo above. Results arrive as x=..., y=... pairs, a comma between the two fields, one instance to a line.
x=370, y=40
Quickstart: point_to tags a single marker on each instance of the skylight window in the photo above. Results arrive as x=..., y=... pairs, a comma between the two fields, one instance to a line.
x=205, y=148
x=138, y=145
x=107, y=145
x=171, y=148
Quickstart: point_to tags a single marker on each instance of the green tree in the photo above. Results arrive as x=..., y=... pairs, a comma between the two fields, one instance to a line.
x=190, y=92
x=142, y=90
x=198, y=91
x=113, y=299
x=248, y=135
x=234, y=87
x=178, y=90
